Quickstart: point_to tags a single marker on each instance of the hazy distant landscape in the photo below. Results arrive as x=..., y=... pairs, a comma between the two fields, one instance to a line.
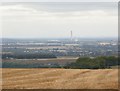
x=61, y=53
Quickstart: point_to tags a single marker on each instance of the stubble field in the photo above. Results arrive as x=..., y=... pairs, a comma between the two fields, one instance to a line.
x=38, y=78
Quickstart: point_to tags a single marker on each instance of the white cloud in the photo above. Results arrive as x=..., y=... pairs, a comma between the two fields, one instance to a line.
x=22, y=10
x=27, y=21
x=14, y=10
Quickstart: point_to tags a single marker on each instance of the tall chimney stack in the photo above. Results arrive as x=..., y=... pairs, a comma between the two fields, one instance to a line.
x=71, y=35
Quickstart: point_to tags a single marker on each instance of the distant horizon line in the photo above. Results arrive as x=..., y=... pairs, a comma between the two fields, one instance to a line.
x=59, y=38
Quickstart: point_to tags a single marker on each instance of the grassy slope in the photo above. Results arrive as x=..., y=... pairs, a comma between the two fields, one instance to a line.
x=60, y=78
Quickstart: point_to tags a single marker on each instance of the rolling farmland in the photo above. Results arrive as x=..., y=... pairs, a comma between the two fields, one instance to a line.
x=41, y=78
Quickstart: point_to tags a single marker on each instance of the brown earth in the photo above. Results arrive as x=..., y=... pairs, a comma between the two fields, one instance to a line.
x=59, y=78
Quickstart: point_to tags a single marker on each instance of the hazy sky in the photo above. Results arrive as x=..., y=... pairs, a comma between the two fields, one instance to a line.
x=56, y=20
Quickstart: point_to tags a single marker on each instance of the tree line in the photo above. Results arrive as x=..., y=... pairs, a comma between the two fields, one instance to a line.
x=28, y=56
x=101, y=62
